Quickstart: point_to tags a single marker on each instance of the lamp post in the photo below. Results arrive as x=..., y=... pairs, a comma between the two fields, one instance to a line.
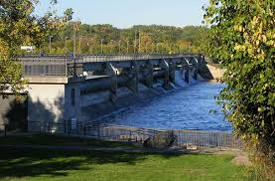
x=74, y=53
x=101, y=46
x=50, y=44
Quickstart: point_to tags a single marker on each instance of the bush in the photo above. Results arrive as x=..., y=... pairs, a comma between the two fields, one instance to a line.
x=161, y=140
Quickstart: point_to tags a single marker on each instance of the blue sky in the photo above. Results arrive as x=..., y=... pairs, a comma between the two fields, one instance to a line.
x=125, y=13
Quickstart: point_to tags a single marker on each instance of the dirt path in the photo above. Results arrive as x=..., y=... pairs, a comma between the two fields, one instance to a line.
x=241, y=157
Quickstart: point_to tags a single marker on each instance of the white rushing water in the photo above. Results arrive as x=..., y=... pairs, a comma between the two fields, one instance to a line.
x=186, y=107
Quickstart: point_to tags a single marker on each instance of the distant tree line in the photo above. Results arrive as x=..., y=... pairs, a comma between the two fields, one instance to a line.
x=107, y=39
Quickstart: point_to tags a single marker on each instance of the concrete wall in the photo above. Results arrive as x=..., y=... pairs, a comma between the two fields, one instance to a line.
x=45, y=107
x=216, y=72
x=73, y=103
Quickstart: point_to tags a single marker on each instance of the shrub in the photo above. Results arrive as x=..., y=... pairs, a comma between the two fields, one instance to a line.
x=243, y=39
x=161, y=140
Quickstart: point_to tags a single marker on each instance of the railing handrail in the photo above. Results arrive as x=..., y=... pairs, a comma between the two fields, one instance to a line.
x=58, y=65
x=101, y=58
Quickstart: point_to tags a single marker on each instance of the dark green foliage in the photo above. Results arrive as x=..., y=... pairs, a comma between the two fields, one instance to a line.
x=243, y=39
x=68, y=14
x=17, y=115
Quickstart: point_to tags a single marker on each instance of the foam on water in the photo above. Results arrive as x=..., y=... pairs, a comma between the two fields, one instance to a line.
x=179, y=79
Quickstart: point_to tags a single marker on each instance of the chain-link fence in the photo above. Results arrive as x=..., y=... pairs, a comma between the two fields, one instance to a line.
x=133, y=134
x=114, y=132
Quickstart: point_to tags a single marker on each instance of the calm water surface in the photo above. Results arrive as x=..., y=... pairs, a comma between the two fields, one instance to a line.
x=188, y=108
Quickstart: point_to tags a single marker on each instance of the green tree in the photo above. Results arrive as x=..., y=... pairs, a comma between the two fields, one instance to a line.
x=17, y=27
x=68, y=14
x=243, y=39
x=152, y=39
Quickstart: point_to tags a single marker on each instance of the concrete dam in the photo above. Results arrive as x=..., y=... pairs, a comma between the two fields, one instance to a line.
x=65, y=93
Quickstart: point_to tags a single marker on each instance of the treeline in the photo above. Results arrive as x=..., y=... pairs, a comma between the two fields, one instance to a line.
x=106, y=39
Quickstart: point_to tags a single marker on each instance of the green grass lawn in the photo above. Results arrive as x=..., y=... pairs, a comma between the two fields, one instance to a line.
x=36, y=164
x=26, y=164
x=59, y=140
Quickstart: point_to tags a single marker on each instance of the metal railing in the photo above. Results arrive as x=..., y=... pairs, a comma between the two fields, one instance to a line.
x=135, y=134
x=113, y=132
x=106, y=58
x=44, y=66
x=58, y=65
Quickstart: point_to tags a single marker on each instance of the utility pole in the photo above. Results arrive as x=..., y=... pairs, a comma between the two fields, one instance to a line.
x=50, y=44
x=127, y=46
x=135, y=43
x=139, y=41
x=65, y=43
x=74, y=53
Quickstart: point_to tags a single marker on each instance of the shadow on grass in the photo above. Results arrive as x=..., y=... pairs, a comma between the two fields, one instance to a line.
x=61, y=140
x=36, y=162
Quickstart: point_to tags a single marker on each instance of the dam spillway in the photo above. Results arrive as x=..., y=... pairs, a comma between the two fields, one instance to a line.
x=64, y=93
x=192, y=107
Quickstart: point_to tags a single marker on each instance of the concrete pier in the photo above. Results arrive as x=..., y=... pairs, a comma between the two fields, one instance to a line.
x=112, y=72
x=165, y=67
x=132, y=77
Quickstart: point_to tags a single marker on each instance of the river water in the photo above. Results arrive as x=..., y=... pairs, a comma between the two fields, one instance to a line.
x=187, y=108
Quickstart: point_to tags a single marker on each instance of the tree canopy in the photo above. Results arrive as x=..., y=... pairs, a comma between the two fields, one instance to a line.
x=18, y=27
x=106, y=39
x=243, y=39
